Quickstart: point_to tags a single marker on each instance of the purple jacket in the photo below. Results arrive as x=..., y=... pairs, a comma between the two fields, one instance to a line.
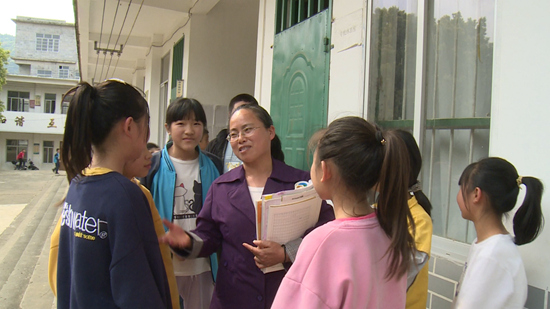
x=226, y=221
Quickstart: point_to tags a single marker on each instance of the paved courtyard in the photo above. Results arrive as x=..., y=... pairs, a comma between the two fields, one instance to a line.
x=27, y=218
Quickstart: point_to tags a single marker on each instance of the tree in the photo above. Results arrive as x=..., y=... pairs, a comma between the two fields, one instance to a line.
x=4, y=55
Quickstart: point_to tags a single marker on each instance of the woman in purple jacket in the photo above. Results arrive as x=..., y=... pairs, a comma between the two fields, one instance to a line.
x=227, y=222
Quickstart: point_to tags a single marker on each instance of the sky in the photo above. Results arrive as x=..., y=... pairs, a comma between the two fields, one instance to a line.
x=50, y=9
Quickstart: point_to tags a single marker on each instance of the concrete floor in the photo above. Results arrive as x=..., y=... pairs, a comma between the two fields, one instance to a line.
x=27, y=218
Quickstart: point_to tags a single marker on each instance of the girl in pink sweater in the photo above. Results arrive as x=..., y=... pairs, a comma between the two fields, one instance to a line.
x=359, y=260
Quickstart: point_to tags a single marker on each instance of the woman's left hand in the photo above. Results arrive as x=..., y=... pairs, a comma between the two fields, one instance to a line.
x=266, y=253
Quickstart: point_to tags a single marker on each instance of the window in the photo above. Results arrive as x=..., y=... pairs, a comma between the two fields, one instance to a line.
x=47, y=42
x=18, y=101
x=48, y=152
x=14, y=147
x=393, y=63
x=457, y=105
x=44, y=73
x=63, y=71
x=453, y=122
x=291, y=12
x=65, y=103
x=49, y=103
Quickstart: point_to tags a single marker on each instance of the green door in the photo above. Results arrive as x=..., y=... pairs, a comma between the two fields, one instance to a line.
x=300, y=85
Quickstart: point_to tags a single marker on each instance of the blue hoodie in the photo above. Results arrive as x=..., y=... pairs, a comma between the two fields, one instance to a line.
x=161, y=181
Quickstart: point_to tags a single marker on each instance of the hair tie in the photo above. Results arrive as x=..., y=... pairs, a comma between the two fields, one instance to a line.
x=519, y=181
x=416, y=187
x=380, y=138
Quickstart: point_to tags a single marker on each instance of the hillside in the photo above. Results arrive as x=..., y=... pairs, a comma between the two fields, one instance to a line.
x=8, y=43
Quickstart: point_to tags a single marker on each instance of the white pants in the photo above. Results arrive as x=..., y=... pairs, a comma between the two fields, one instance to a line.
x=196, y=290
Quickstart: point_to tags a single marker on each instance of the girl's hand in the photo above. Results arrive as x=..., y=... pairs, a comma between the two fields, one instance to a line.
x=266, y=253
x=176, y=237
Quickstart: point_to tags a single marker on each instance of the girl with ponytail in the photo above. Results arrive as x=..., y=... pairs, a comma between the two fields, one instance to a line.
x=361, y=259
x=108, y=255
x=420, y=207
x=494, y=276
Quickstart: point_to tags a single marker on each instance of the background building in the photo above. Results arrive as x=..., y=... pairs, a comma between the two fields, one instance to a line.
x=466, y=77
x=46, y=54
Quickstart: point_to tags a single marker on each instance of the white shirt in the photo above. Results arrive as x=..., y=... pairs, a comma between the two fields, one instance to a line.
x=255, y=194
x=185, y=201
x=493, y=276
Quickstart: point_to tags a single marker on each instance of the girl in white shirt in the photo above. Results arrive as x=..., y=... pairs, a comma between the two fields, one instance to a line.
x=494, y=276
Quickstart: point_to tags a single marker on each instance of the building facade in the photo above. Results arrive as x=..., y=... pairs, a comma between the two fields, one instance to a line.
x=46, y=54
x=467, y=78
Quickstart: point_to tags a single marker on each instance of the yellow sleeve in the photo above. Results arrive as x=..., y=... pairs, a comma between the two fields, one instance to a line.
x=417, y=294
x=423, y=227
x=164, y=249
x=52, y=263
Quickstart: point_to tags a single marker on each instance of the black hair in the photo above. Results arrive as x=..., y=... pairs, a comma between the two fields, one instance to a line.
x=265, y=119
x=243, y=97
x=183, y=108
x=415, y=160
x=151, y=146
x=366, y=158
x=92, y=114
x=500, y=182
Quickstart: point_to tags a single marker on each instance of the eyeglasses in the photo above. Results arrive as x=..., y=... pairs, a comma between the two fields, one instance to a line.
x=246, y=132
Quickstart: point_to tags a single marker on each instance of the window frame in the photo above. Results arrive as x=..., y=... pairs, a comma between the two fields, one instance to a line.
x=44, y=73
x=16, y=145
x=16, y=98
x=49, y=103
x=46, y=42
x=48, y=151
x=64, y=71
x=420, y=126
x=66, y=100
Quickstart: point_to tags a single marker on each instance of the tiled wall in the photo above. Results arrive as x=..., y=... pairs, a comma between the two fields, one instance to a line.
x=444, y=276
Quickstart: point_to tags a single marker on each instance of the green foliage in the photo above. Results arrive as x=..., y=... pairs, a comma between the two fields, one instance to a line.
x=8, y=43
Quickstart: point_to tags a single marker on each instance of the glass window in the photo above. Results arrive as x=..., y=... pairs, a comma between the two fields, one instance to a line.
x=18, y=101
x=44, y=73
x=456, y=100
x=65, y=103
x=457, y=104
x=48, y=152
x=63, y=71
x=49, y=103
x=392, y=63
x=14, y=147
x=47, y=42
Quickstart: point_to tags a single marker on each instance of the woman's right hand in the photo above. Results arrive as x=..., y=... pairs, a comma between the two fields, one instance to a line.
x=176, y=237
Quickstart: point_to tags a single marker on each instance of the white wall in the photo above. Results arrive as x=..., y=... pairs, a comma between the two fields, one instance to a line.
x=347, y=58
x=152, y=89
x=264, y=53
x=521, y=108
x=219, y=58
x=32, y=139
x=222, y=52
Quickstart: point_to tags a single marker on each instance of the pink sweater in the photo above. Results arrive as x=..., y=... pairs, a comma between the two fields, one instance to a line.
x=342, y=264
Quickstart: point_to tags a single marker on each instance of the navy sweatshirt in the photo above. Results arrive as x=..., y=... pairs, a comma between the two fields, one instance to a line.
x=109, y=254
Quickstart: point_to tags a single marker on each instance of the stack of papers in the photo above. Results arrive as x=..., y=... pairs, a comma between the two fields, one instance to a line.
x=286, y=215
